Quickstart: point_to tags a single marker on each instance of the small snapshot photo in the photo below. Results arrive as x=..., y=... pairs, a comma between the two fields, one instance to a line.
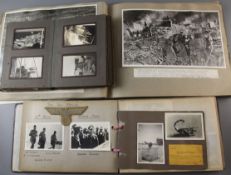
x=26, y=67
x=184, y=126
x=79, y=65
x=29, y=38
x=76, y=35
x=44, y=136
x=90, y=136
x=177, y=38
x=150, y=143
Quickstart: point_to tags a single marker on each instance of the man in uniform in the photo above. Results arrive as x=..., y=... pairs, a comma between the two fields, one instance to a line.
x=42, y=139
x=33, y=134
x=92, y=138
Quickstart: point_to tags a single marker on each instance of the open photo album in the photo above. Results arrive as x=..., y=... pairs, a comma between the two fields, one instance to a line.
x=131, y=49
x=153, y=135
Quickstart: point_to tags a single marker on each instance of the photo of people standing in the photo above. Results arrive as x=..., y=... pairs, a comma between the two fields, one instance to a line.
x=90, y=136
x=44, y=136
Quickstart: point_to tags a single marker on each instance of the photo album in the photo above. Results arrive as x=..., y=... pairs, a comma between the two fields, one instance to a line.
x=82, y=74
x=62, y=47
x=121, y=50
x=181, y=134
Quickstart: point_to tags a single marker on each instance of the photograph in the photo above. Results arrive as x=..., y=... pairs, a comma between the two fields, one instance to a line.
x=26, y=67
x=90, y=136
x=76, y=35
x=162, y=38
x=44, y=136
x=184, y=126
x=29, y=38
x=79, y=65
x=150, y=143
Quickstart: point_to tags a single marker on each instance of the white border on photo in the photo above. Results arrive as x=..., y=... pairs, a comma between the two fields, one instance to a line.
x=163, y=149
x=172, y=66
x=184, y=114
x=107, y=124
x=31, y=124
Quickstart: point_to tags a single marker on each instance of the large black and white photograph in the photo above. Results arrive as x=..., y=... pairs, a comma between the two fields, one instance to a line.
x=152, y=38
x=79, y=65
x=150, y=143
x=44, y=136
x=90, y=136
x=76, y=35
x=29, y=38
x=184, y=126
x=26, y=67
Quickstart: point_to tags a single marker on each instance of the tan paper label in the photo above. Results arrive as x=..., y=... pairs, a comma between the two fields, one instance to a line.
x=185, y=154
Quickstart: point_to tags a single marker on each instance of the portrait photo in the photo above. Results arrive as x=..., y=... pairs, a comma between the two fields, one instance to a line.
x=150, y=143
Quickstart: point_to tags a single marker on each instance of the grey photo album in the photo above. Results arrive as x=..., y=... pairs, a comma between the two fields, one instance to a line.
x=56, y=48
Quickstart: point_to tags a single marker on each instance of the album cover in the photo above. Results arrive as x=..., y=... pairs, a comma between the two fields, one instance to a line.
x=46, y=138
x=164, y=49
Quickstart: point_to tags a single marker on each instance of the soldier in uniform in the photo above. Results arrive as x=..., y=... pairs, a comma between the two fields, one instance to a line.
x=92, y=138
x=53, y=140
x=42, y=139
x=33, y=134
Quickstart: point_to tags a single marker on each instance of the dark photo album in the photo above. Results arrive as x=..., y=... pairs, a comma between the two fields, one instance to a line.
x=65, y=52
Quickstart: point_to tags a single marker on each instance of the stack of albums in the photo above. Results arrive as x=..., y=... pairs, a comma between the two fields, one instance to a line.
x=59, y=48
x=110, y=135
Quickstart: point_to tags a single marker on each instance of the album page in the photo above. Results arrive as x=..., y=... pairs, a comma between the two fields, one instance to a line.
x=169, y=49
x=51, y=144
x=30, y=69
x=180, y=134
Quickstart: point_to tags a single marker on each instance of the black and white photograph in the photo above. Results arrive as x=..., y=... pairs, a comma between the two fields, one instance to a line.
x=184, y=126
x=29, y=38
x=150, y=143
x=76, y=35
x=26, y=67
x=44, y=136
x=90, y=136
x=152, y=38
x=79, y=65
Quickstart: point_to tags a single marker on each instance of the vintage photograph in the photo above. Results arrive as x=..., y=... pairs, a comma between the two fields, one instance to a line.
x=44, y=136
x=171, y=38
x=79, y=65
x=84, y=34
x=26, y=67
x=29, y=38
x=150, y=143
x=184, y=126
x=90, y=136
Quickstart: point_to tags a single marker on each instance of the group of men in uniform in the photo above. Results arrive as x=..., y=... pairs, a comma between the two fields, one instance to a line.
x=88, y=138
